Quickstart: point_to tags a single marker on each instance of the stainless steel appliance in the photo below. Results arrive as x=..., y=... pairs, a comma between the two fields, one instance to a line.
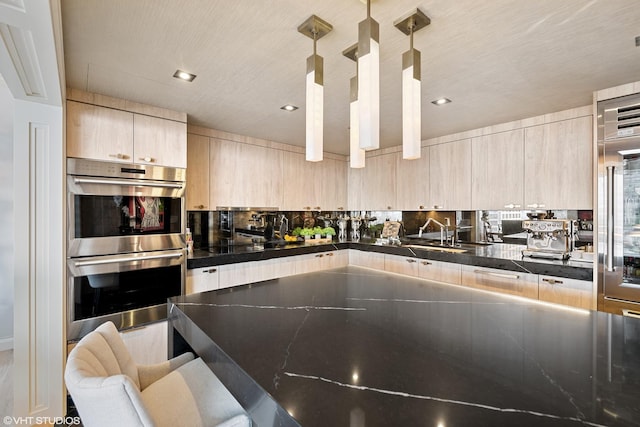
x=126, y=249
x=618, y=197
x=549, y=238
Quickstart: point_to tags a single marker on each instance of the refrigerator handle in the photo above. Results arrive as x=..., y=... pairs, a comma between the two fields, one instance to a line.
x=610, y=216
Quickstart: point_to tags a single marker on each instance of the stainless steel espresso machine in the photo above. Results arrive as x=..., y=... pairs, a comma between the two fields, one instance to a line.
x=549, y=238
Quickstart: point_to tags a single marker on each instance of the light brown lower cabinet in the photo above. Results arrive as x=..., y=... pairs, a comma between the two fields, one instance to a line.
x=439, y=271
x=436, y=271
x=373, y=260
x=571, y=292
x=504, y=281
x=202, y=279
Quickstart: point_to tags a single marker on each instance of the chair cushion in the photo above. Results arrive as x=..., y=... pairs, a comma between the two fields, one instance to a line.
x=193, y=396
x=127, y=365
x=102, y=353
x=108, y=401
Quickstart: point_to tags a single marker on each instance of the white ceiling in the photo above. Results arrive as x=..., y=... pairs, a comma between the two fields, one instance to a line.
x=498, y=60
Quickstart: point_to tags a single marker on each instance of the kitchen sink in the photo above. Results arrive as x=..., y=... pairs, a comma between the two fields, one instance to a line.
x=437, y=248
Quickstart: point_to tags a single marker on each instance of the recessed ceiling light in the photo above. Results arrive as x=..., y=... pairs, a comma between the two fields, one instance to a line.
x=637, y=41
x=183, y=75
x=289, y=107
x=441, y=101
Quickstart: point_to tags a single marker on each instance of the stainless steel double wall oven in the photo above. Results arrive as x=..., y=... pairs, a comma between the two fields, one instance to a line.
x=125, y=247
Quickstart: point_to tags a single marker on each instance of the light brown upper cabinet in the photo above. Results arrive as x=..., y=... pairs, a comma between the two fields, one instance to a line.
x=450, y=175
x=413, y=182
x=159, y=141
x=374, y=187
x=197, y=193
x=99, y=133
x=244, y=175
x=498, y=171
x=313, y=185
x=103, y=133
x=558, y=168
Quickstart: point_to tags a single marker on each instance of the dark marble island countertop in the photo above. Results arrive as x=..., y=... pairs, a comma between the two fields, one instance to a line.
x=500, y=255
x=355, y=347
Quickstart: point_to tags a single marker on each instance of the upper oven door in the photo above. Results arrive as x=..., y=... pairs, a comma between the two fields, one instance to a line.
x=108, y=215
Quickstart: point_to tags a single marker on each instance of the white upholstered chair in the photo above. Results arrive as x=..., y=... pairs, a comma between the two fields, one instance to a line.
x=109, y=389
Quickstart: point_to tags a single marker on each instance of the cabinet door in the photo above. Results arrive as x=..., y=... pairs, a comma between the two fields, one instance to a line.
x=99, y=133
x=302, y=183
x=147, y=344
x=334, y=190
x=202, y=279
x=379, y=182
x=159, y=141
x=439, y=271
x=197, y=193
x=558, y=165
x=402, y=265
x=503, y=281
x=372, y=260
x=355, y=191
x=222, y=173
x=450, y=175
x=245, y=175
x=498, y=170
x=413, y=182
x=559, y=290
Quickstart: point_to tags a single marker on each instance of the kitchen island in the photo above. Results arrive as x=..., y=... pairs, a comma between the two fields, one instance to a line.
x=356, y=347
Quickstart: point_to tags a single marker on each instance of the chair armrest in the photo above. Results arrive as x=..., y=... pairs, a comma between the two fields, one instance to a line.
x=148, y=374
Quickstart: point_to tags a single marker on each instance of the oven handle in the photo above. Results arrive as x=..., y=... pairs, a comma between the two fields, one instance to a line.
x=134, y=183
x=126, y=259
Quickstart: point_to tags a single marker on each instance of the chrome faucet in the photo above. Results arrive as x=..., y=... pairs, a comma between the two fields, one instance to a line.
x=444, y=229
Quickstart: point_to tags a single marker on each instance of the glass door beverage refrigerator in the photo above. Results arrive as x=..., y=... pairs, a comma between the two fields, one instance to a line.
x=618, y=200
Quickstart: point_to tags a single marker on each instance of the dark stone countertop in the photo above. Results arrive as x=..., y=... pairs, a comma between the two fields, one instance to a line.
x=499, y=255
x=354, y=347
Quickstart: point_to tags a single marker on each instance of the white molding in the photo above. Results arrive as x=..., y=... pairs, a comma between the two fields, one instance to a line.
x=39, y=340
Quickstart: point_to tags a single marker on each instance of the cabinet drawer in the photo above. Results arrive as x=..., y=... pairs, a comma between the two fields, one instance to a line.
x=373, y=260
x=575, y=293
x=504, y=281
x=402, y=265
x=439, y=271
x=202, y=280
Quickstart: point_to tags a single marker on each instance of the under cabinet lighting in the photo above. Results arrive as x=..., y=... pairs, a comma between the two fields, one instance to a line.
x=183, y=75
x=441, y=101
x=289, y=107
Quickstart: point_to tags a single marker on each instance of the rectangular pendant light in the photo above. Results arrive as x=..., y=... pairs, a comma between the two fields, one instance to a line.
x=315, y=28
x=411, y=86
x=369, y=83
x=356, y=154
x=411, y=105
x=314, y=106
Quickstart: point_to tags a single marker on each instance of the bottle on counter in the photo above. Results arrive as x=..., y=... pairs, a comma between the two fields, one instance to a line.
x=188, y=236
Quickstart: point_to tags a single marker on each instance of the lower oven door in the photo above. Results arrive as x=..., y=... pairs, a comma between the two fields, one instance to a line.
x=128, y=289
